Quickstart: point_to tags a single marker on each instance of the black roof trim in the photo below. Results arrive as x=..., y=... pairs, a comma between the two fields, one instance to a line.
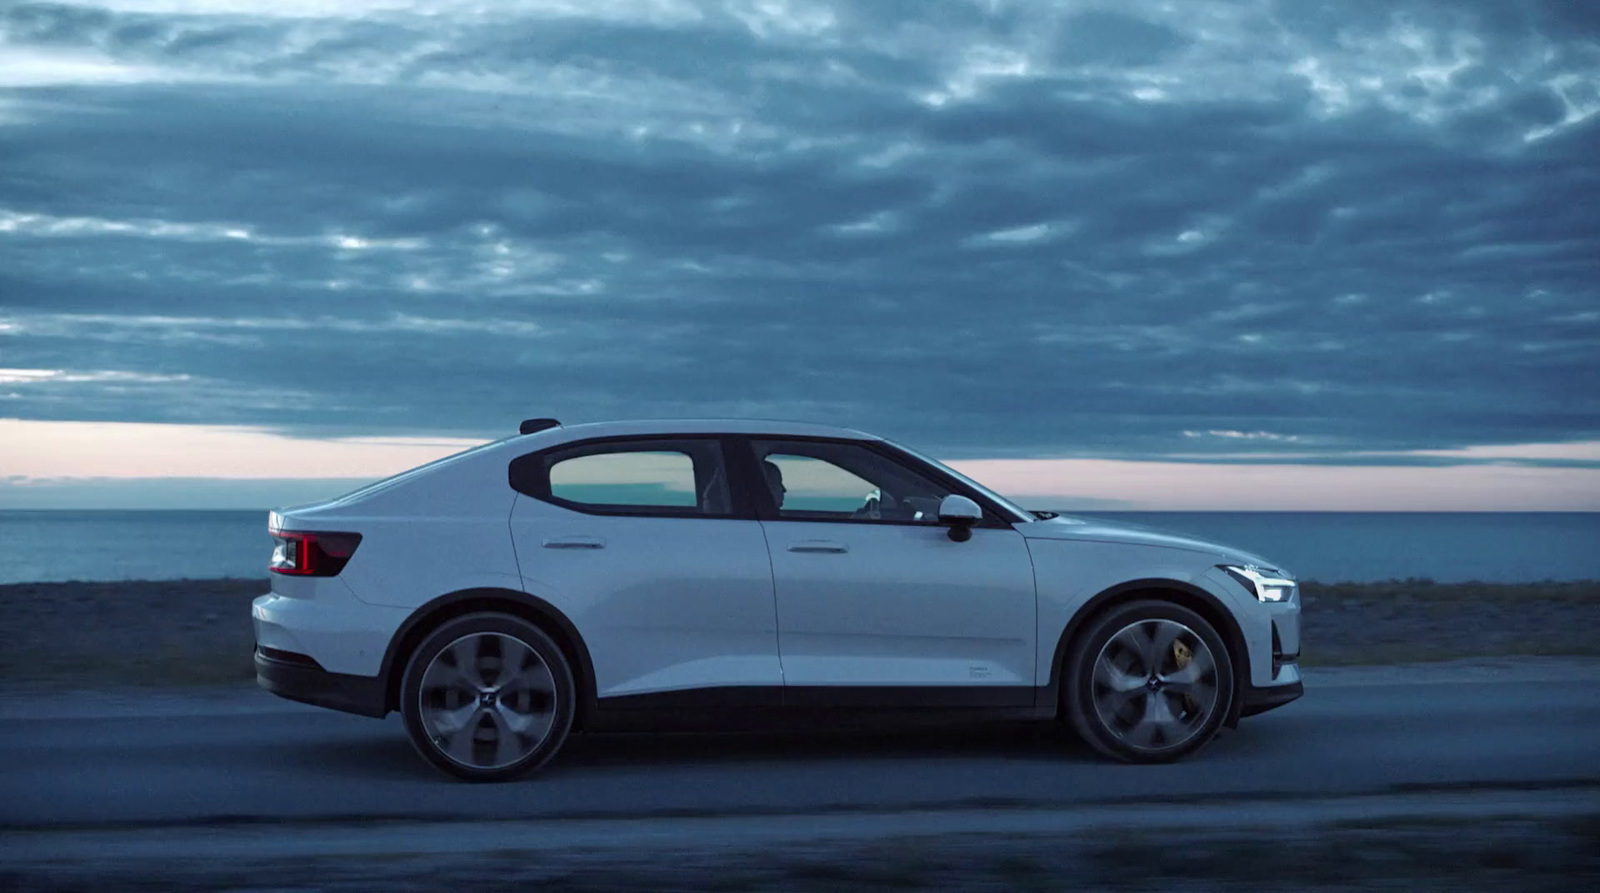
x=529, y=426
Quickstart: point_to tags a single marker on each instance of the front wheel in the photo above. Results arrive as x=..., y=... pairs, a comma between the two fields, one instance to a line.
x=1147, y=682
x=487, y=697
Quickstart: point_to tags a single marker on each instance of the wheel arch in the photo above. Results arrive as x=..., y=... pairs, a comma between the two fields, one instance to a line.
x=526, y=606
x=1178, y=592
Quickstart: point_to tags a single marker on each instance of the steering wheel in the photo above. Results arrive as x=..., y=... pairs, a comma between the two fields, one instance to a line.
x=878, y=505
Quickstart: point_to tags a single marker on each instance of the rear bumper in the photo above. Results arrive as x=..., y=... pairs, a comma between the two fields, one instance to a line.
x=300, y=678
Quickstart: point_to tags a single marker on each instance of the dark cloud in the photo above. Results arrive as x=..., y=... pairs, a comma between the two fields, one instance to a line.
x=991, y=231
x=1114, y=39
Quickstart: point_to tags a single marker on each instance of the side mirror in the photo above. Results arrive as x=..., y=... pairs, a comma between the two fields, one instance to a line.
x=959, y=513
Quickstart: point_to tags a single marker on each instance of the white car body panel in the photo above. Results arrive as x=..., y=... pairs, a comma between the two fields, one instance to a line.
x=321, y=617
x=902, y=605
x=426, y=535
x=665, y=603
x=1096, y=530
x=1072, y=572
x=654, y=427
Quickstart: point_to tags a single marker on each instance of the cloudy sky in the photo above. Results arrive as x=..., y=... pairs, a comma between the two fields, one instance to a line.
x=1142, y=254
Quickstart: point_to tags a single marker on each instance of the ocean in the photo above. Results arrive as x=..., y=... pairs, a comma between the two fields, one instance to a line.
x=40, y=546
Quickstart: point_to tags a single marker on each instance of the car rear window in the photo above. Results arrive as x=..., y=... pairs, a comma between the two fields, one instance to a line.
x=656, y=478
x=675, y=476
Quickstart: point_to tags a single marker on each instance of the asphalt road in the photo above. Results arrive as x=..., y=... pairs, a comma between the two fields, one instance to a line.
x=249, y=755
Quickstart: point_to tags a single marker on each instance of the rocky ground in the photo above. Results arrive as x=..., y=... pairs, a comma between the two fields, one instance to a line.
x=180, y=632
x=139, y=633
x=1411, y=621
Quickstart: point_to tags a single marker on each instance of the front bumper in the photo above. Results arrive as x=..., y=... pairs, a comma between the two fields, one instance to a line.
x=1260, y=700
x=1286, y=686
x=300, y=678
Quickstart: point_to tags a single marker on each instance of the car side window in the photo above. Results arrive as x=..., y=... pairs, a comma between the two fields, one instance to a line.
x=828, y=481
x=683, y=477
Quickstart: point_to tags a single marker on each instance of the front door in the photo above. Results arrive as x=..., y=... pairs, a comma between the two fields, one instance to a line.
x=874, y=595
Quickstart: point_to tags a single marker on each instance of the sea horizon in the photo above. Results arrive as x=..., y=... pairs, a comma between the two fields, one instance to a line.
x=89, y=545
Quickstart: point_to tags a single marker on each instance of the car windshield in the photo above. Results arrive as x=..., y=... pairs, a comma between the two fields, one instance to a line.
x=1021, y=513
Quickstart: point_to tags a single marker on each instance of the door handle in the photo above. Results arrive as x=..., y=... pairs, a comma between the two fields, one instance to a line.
x=574, y=542
x=818, y=546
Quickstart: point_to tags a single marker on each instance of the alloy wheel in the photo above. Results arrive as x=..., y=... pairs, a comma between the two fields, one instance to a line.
x=1155, y=685
x=487, y=700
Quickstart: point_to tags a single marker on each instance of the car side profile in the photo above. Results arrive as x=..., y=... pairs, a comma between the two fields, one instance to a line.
x=637, y=575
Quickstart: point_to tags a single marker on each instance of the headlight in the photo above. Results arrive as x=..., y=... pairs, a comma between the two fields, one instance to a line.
x=1267, y=584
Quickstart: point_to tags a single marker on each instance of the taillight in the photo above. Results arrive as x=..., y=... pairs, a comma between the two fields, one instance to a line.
x=316, y=554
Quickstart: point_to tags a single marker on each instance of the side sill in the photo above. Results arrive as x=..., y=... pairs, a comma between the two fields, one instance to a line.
x=732, y=697
x=904, y=697
x=813, y=707
x=910, y=697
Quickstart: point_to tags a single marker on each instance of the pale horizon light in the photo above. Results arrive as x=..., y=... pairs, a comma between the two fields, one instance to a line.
x=42, y=458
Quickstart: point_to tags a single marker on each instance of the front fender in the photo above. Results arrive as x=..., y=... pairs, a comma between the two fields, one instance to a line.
x=1077, y=579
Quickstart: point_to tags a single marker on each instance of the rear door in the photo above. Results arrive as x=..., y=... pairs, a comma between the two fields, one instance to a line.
x=639, y=541
x=875, y=597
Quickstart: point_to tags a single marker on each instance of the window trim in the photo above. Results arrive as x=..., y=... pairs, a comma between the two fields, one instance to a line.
x=755, y=485
x=528, y=475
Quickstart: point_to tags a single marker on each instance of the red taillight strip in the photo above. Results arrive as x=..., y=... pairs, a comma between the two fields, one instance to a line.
x=322, y=553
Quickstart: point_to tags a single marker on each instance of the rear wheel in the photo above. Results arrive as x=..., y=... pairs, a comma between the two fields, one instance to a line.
x=1148, y=681
x=487, y=697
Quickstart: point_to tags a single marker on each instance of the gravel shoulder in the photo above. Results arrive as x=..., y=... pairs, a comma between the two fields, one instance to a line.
x=167, y=633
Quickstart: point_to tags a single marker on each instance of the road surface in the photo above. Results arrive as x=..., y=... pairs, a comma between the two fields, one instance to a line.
x=247, y=755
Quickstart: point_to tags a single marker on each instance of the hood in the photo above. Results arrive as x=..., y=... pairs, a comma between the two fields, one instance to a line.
x=1068, y=527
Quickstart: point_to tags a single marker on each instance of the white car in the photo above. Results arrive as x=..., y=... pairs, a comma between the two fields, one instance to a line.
x=649, y=574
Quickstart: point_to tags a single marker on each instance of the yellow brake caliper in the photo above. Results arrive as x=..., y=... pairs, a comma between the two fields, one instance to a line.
x=1182, y=655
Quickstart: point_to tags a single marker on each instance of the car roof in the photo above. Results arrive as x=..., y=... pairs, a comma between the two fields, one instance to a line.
x=704, y=426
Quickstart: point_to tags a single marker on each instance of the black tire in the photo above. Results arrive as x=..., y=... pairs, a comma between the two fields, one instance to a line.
x=1123, y=722
x=487, y=745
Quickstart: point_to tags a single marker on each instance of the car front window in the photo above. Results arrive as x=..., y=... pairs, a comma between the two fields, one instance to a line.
x=846, y=482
